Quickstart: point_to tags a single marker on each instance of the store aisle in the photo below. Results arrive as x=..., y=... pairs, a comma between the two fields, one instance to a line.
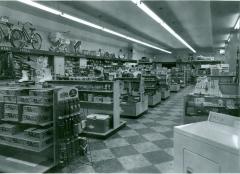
x=145, y=145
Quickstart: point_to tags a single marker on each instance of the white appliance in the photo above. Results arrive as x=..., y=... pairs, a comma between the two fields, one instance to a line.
x=210, y=146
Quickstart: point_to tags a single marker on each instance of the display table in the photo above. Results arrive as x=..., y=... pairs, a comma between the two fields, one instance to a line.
x=165, y=93
x=155, y=99
x=134, y=109
x=174, y=87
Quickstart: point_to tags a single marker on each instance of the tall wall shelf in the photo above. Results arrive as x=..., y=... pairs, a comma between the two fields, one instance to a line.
x=50, y=53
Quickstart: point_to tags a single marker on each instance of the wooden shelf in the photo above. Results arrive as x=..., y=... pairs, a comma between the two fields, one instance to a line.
x=35, y=104
x=37, y=124
x=22, y=137
x=51, y=53
x=79, y=81
x=103, y=103
x=9, y=120
x=93, y=91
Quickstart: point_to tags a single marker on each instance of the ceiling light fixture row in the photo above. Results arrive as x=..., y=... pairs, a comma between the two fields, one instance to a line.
x=84, y=22
x=155, y=17
x=236, y=27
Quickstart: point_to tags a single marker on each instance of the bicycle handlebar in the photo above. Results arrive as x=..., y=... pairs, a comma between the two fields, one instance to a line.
x=24, y=23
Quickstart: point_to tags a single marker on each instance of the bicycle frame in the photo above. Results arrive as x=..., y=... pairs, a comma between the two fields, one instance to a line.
x=26, y=35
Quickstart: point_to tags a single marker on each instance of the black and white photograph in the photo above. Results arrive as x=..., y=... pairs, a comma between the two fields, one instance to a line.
x=120, y=86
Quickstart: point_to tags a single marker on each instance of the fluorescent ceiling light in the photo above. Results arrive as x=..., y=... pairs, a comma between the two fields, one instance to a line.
x=155, y=17
x=84, y=22
x=237, y=25
x=81, y=21
x=114, y=33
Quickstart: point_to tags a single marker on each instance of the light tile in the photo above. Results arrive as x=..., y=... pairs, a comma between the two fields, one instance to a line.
x=134, y=161
x=116, y=142
x=146, y=147
x=154, y=136
x=127, y=133
x=138, y=126
x=104, y=154
x=166, y=167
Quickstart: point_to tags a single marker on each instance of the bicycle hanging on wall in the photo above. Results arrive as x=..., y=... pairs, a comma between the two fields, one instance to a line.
x=22, y=37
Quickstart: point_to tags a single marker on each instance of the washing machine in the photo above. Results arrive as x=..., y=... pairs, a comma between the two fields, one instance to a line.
x=210, y=146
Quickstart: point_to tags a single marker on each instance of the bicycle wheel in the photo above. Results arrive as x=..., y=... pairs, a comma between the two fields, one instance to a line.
x=17, y=39
x=36, y=41
x=1, y=35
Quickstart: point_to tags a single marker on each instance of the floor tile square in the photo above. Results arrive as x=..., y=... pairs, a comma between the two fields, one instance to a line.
x=168, y=134
x=154, y=136
x=145, y=131
x=116, y=142
x=135, y=139
x=104, y=154
x=165, y=143
x=114, y=136
x=138, y=126
x=127, y=133
x=97, y=145
x=148, y=169
x=166, y=167
x=82, y=169
x=124, y=151
x=170, y=151
x=108, y=166
x=161, y=129
x=146, y=147
x=157, y=157
x=145, y=120
x=134, y=161
x=166, y=122
x=153, y=124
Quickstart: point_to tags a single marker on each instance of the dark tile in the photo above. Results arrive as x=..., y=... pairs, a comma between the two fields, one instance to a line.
x=157, y=157
x=114, y=136
x=160, y=118
x=108, y=166
x=134, y=161
x=168, y=134
x=145, y=131
x=97, y=145
x=135, y=139
x=126, y=128
x=151, y=124
x=149, y=169
x=123, y=151
x=166, y=143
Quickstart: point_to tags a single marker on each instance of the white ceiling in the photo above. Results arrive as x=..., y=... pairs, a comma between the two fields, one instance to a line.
x=203, y=24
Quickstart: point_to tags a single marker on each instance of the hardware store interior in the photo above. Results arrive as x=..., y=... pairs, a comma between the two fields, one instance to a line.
x=119, y=86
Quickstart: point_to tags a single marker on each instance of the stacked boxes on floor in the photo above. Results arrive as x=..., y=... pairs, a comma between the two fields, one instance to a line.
x=98, y=123
x=19, y=106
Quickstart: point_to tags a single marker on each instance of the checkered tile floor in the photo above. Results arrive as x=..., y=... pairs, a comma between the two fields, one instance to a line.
x=145, y=145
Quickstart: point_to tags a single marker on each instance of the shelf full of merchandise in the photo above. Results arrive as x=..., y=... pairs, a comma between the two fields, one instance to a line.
x=164, y=85
x=134, y=101
x=29, y=128
x=152, y=89
x=98, y=97
x=177, y=78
